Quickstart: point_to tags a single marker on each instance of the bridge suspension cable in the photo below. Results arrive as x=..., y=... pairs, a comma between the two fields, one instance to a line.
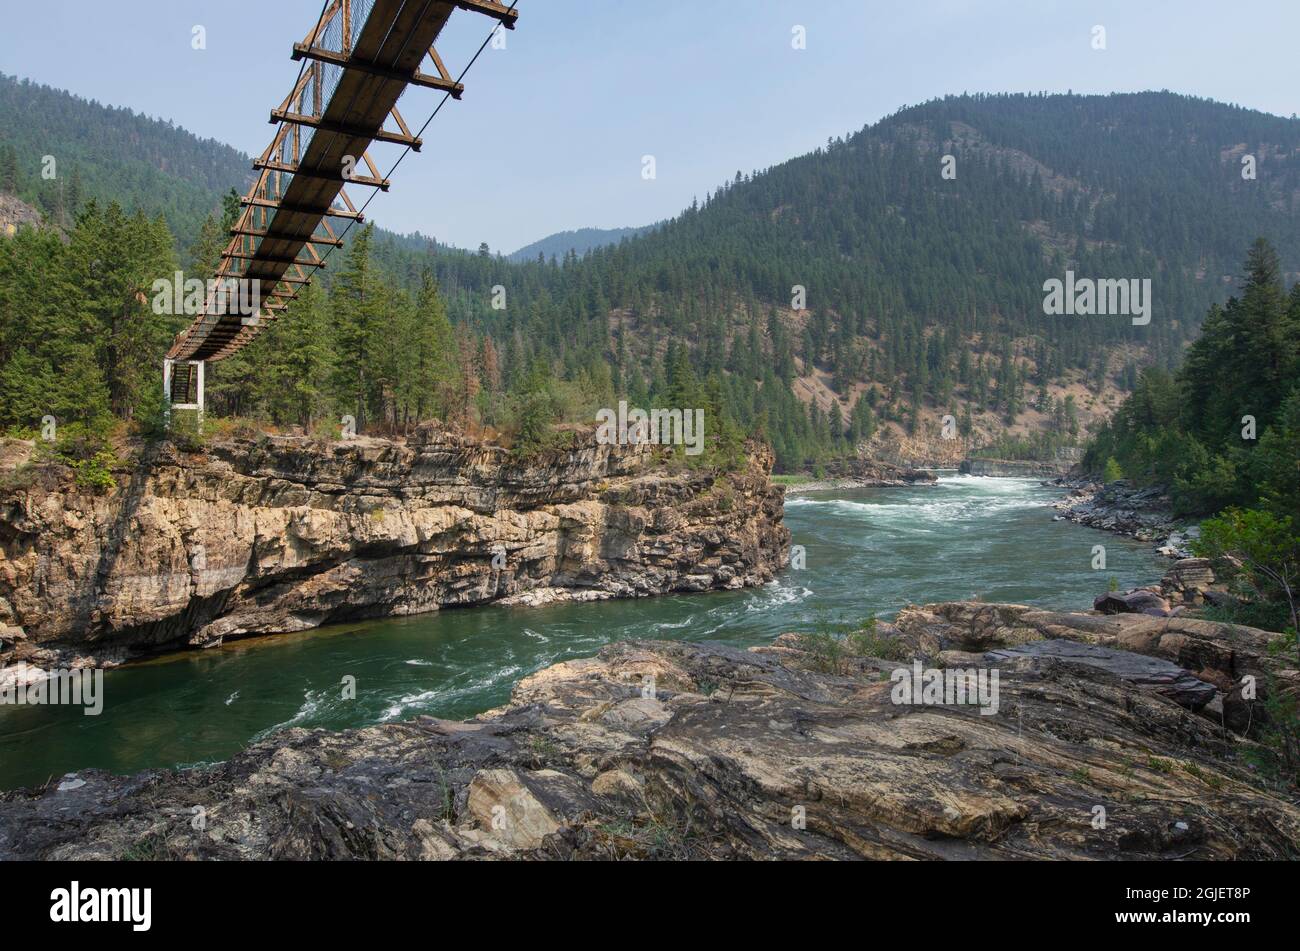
x=407, y=151
x=356, y=63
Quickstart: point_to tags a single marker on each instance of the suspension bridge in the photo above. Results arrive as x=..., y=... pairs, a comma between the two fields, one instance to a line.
x=357, y=61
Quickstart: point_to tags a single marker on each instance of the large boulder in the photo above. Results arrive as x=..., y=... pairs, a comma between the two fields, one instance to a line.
x=1169, y=680
x=1140, y=601
x=1188, y=581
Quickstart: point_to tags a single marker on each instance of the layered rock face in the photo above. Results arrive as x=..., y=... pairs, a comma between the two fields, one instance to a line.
x=284, y=534
x=667, y=750
x=1189, y=584
x=1221, y=671
x=874, y=473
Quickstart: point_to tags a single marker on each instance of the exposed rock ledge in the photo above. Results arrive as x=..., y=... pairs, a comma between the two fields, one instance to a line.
x=1142, y=513
x=733, y=754
x=866, y=474
x=284, y=534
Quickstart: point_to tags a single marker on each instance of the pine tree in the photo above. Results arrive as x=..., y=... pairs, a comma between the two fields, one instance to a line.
x=1258, y=327
x=436, y=379
x=294, y=383
x=469, y=376
x=354, y=305
x=9, y=170
x=490, y=365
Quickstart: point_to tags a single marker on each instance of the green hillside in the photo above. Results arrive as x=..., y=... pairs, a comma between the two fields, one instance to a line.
x=924, y=293
x=110, y=154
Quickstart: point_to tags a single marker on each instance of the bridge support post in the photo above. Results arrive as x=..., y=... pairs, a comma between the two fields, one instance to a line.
x=183, y=388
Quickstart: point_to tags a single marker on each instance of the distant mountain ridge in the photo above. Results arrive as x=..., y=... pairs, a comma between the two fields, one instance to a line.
x=581, y=241
x=117, y=154
x=860, y=282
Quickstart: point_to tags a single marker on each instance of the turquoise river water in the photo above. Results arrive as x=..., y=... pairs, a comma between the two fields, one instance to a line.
x=869, y=551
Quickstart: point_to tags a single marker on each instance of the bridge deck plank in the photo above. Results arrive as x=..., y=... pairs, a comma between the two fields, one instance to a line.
x=396, y=36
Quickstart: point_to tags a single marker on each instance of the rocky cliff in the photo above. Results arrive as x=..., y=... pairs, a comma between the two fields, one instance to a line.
x=15, y=214
x=275, y=534
x=668, y=750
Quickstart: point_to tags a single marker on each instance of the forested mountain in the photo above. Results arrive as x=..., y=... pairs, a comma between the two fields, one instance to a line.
x=920, y=245
x=111, y=154
x=579, y=242
x=930, y=289
x=1225, y=428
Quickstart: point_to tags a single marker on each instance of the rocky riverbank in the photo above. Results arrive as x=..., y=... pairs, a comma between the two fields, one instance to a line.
x=864, y=474
x=1118, y=507
x=277, y=534
x=1102, y=741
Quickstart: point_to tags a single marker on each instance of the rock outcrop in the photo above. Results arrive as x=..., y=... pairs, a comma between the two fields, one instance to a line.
x=867, y=474
x=1166, y=678
x=16, y=214
x=1242, y=664
x=1189, y=584
x=670, y=750
x=283, y=534
x=1142, y=513
x=871, y=472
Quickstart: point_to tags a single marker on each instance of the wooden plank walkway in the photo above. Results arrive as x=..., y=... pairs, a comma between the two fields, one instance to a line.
x=357, y=62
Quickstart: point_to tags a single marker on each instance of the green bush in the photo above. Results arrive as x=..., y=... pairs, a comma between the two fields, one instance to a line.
x=96, y=474
x=868, y=642
x=186, y=430
x=85, y=449
x=1259, y=555
x=831, y=644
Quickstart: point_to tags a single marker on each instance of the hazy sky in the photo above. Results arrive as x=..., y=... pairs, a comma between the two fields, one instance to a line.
x=552, y=130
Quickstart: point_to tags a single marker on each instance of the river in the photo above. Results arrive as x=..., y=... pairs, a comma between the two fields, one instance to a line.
x=867, y=551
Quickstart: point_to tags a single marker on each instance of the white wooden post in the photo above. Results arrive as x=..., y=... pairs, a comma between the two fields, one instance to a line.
x=197, y=405
x=167, y=393
x=199, y=394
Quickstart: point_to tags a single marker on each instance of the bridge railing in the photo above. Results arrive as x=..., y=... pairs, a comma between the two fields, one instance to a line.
x=357, y=61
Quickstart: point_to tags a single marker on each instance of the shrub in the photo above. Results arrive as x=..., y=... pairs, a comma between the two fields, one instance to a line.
x=1259, y=554
x=96, y=474
x=832, y=644
x=186, y=431
x=85, y=449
